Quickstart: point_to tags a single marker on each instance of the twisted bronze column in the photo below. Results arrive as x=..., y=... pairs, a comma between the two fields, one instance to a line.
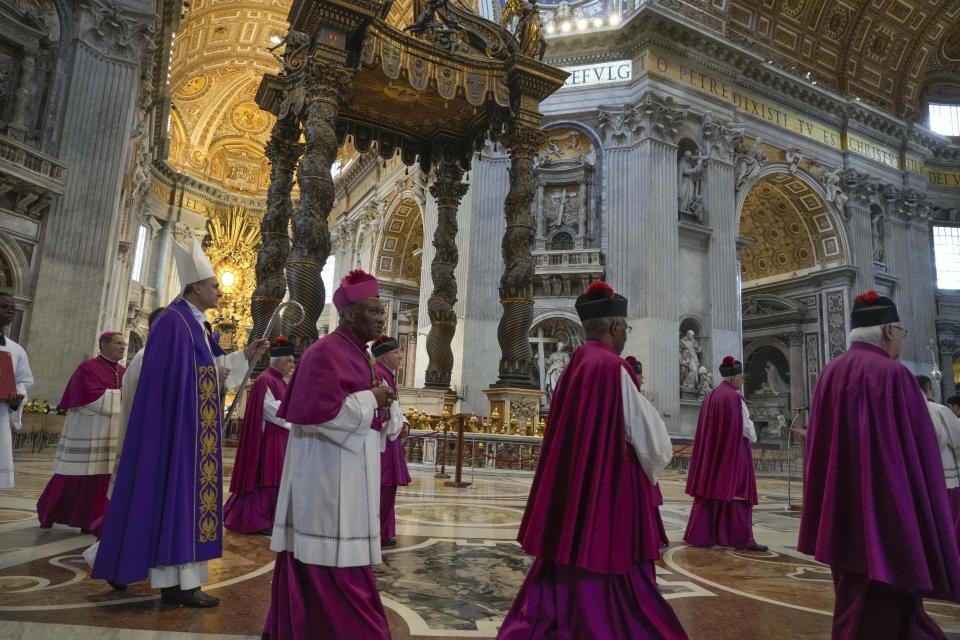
x=323, y=85
x=516, y=294
x=448, y=190
x=283, y=150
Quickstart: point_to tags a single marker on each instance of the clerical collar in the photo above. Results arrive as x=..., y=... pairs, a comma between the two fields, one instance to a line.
x=351, y=336
x=108, y=360
x=198, y=315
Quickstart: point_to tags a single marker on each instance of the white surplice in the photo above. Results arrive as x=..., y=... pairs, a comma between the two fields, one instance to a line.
x=749, y=431
x=646, y=432
x=328, y=507
x=88, y=444
x=10, y=419
x=947, y=427
x=271, y=406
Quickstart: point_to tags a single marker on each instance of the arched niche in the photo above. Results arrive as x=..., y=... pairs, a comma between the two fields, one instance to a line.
x=792, y=230
x=565, y=207
x=554, y=336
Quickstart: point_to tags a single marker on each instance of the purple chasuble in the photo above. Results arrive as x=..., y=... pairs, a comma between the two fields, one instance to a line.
x=590, y=505
x=721, y=465
x=332, y=368
x=89, y=382
x=166, y=504
x=874, y=497
x=393, y=460
x=244, y=479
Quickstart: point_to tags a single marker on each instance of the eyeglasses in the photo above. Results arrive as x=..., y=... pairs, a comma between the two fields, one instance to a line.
x=904, y=331
x=7, y=307
x=627, y=328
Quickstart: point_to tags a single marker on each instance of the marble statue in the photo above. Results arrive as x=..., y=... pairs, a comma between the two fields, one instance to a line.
x=690, y=176
x=794, y=156
x=878, y=231
x=555, y=365
x=781, y=425
x=749, y=162
x=704, y=382
x=834, y=191
x=689, y=360
x=774, y=383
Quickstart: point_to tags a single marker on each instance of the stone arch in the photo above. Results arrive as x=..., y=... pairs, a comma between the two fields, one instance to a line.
x=399, y=246
x=14, y=268
x=794, y=229
x=548, y=329
x=135, y=342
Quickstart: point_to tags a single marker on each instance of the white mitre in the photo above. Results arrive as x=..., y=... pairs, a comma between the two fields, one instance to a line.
x=193, y=266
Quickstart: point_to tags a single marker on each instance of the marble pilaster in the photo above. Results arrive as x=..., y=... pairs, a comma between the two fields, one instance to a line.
x=720, y=203
x=859, y=226
x=482, y=224
x=81, y=234
x=798, y=392
x=643, y=240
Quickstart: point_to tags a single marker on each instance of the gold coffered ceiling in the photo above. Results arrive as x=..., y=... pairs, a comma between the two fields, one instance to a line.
x=217, y=131
x=791, y=229
x=875, y=50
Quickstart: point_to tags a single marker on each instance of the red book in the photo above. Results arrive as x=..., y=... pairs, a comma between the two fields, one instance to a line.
x=8, y=384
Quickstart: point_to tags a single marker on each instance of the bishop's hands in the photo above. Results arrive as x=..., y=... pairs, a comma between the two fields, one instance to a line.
x=13, y=401
x=383, y=395
x=255, y=349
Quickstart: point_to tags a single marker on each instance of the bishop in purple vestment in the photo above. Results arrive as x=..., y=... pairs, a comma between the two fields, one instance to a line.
x=875, y=503
x=326, y=530
x=721, y=478
x=165, y=516
x=591, y=514
x=255, y=480
x=393, y=460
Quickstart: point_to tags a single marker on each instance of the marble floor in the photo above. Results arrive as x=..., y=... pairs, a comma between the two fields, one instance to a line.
x=453, y=574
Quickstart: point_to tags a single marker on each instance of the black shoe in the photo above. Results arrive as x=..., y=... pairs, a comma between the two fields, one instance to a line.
x=194, y=598
x=389, y=542
x=756, y=547
x=117, y=586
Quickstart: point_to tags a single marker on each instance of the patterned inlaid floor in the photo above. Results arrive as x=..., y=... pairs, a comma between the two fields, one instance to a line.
x=453, y=575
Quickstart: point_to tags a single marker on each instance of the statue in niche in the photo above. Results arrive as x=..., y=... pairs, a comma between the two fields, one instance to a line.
x=689, y=360
x=749, y=162
x=554, y=366
x=556, y=285
x=690, y=176
x=704, y=382
x=878, y=231
x=774, y=384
